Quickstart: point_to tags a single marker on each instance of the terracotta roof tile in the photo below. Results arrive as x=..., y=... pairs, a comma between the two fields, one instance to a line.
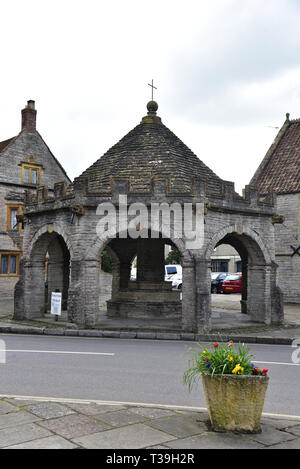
x=280, y=169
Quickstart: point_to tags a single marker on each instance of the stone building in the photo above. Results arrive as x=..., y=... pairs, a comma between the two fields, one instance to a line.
x=225, y=259
x=25, y=163
x=279, y=171
x=148, y=171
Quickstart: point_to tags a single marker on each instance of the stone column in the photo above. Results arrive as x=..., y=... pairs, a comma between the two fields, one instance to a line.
x=259, y=293
x=89, y=292
x=277, y=314
x=19, y=295
x=34, y=288
x=150, y=260
x=75, y=313
x=189, y=322
x=203, y=296
x=125, y=269
x=244, y=296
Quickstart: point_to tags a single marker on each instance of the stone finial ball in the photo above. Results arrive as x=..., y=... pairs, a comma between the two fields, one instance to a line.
x=152, y=106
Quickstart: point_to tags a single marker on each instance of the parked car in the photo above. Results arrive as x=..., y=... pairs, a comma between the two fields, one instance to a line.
x=217, y=279
x=177, y=282
x=232, y=284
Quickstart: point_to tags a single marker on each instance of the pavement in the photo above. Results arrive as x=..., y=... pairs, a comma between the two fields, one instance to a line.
x=58, y=424
x=37, y=423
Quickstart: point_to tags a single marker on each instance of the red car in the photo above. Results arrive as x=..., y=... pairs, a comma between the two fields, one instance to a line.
x=232, y=284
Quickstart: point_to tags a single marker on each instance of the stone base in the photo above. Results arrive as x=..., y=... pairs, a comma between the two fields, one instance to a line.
x=144, y=309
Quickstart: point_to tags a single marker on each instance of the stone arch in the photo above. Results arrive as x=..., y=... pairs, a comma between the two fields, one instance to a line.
x=48, y=228
x=46, y=269
x=92, y=255
x=257, y=269
x=93, y=251
x=243, y=232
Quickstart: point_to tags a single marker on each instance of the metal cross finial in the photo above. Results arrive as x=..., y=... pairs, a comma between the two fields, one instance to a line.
x=153, y=87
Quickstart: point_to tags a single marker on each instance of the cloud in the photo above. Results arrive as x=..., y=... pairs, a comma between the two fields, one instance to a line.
x=245, y=44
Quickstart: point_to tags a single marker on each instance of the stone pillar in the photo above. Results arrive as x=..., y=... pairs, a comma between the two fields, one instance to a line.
x=90, y=292
x=259, y=293
x=150, y=260
x=277, y=314
x=189, y=322
x=19, y=295
x=203, y=295
x=75, y=313
x=244, y=296
x=34, y=288
x=125, y=269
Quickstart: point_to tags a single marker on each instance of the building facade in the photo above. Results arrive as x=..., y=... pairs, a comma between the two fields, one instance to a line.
x=279, y=172
x=26, y=162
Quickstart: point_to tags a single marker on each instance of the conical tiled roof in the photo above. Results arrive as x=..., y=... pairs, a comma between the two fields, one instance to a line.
x=150, y=151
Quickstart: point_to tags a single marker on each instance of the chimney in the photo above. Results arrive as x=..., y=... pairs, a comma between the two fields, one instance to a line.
x=29, y=117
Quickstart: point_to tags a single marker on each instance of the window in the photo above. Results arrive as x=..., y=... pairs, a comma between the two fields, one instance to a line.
x=218, y=265
x=171, y=270
x=12, y=223
x=31, y=174
x=9, y=263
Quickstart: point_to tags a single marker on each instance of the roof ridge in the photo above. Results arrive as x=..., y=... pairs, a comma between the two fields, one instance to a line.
x=269, y=153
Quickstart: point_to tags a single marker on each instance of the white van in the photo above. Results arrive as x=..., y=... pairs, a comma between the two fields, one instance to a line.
x=172, y=269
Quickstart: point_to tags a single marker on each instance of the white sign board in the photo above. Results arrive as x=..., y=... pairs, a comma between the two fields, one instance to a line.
x=56, y=303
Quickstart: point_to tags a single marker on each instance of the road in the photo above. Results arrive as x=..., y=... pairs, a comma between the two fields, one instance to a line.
x=123, y=370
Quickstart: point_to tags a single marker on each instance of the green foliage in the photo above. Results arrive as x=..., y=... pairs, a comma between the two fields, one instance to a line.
x=106, y=262
x=174, y=256
x=220, y=360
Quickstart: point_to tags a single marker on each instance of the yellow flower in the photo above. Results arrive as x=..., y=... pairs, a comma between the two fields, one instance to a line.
x=204, y=351
x=237, y=368
x=229, y=358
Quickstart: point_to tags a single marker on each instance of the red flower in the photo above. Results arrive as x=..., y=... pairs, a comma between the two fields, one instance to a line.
x=264, y=371
x=216, y=344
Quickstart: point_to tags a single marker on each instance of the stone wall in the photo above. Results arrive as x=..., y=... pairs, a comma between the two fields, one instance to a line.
x=287, y=235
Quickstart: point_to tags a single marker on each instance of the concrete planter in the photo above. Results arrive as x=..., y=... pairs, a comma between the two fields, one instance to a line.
x=235, y=402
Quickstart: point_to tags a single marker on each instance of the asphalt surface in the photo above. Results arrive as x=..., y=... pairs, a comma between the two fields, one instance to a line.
x=131, y=371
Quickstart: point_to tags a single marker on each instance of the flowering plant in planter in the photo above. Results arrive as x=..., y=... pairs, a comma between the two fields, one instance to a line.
x=222, y=359
x=234, y=387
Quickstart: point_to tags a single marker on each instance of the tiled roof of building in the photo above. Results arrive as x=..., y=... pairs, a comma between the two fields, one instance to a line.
x=5, y=143
x=279, y=171
x=149, y=151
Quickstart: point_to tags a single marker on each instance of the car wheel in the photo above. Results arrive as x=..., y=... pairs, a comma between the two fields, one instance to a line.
x=214, y=289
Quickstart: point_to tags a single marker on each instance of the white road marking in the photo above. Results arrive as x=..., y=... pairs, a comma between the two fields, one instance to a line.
x=277, y=363
x=57, y=351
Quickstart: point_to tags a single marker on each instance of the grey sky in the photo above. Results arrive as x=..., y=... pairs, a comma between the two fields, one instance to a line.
x=227, y=71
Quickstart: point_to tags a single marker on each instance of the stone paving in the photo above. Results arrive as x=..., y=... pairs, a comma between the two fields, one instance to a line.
x=36, y=424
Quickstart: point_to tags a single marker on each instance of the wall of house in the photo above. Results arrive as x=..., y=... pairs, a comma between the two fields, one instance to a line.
x=227, y=253
x=287, y=235
x=29, y=145
x=12, y=189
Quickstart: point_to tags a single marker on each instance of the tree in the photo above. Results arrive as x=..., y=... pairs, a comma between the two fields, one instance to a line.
x=174, y=256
